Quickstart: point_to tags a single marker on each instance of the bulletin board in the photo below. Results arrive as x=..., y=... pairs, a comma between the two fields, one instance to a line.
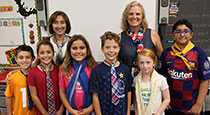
x=18, y=25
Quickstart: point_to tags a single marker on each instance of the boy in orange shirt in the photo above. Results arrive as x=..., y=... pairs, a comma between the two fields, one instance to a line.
x=16, y=93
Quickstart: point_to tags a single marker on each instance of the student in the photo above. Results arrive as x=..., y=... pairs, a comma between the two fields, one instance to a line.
x=151, y=89
x=74, y=77
x=43, y=81
x=187, y=70
x=111, y=81
x=16, y=93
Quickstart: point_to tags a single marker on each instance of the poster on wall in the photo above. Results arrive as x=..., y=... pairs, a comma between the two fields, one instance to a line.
x=18, y=25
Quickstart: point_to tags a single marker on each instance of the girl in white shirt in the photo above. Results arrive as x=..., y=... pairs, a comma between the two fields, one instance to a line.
x=151, y=89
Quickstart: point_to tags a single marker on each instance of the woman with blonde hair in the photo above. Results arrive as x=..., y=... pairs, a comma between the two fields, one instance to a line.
x=136, y=35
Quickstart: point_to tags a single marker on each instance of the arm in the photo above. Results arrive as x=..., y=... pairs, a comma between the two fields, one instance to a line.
x=9, y=105
x=62, y=92
x=36, y=100
x=60, y=111
x=157, y=42
x=203, y=89
x=96, y=104
x=129, y=103
x=166, y=100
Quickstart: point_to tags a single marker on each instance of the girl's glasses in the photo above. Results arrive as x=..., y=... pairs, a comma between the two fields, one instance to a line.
x=179, y=32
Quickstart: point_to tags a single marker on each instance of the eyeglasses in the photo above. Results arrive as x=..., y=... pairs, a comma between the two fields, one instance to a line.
x=179, y=32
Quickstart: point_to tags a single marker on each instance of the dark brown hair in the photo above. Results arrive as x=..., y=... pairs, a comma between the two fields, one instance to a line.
x=53, y=18
x=68, y=60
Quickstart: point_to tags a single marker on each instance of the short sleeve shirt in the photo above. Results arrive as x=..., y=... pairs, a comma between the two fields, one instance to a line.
x=37, y=78
x=183, y=83
x=101, y=83
x=161, y=85
x=79, y=93
x=17, y=89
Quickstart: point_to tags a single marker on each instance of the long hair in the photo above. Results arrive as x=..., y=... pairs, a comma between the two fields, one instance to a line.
x=53, y=18
x=68, y=60
x=124, y=22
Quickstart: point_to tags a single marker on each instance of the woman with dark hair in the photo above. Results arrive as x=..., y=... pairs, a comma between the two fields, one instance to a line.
x=59, y=27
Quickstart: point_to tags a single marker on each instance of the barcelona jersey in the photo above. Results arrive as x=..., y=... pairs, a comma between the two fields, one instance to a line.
x=184, y=83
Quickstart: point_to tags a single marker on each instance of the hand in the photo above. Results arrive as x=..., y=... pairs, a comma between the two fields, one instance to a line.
x=8, y=75
x=196, y=109
x=168, y=107
x=85, y=112
x=59, y=112
x=46, y=113
x=76, y=112
x=156, y=114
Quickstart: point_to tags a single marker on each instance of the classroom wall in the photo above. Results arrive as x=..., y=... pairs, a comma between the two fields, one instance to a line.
x=18, y=25
x=92, y=18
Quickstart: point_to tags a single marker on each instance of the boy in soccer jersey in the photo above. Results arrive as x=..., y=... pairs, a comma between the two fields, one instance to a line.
x=187, y=70
x=16, y=92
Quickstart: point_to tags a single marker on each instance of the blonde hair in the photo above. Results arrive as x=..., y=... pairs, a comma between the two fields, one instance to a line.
x=68, y=60
x=148, y=53
x=124, y=22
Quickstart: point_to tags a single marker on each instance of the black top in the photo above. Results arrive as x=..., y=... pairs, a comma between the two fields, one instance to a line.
x=126, y=55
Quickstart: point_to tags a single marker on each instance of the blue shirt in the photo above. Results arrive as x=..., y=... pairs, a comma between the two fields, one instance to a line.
x=100, y=83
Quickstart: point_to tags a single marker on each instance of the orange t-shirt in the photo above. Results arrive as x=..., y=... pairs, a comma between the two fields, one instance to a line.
x=17, y=89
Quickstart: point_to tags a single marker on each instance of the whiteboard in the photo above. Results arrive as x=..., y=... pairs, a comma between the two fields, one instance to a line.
x=92, y=18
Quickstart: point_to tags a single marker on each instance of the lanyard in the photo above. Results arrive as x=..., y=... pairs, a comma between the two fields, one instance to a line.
x=133, y=49
x=23, y=73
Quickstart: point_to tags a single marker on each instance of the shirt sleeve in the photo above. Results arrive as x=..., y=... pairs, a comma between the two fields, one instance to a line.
x=61, y=79
x=164, y=84
x=31, y=78
x=94, y=86
x=203, y=65
x=9, y=90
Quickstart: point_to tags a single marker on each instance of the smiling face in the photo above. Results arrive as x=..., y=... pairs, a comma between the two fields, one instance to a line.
x=135, y=17
x=59, y=25
x=183, y=38
x=110, y=50
x=24, y=59
x=78, y=51
x=146, y=64
x=45, y=55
